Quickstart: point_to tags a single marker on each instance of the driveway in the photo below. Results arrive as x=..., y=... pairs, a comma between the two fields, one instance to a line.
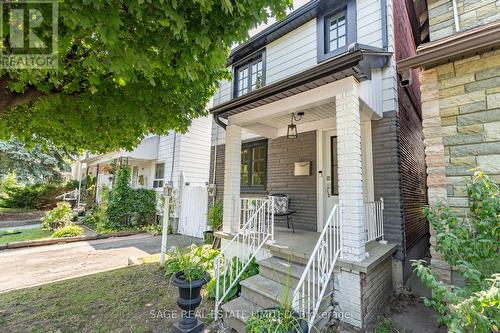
x=21, y=268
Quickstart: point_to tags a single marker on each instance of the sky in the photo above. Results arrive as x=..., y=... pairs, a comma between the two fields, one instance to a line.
x=296, y=4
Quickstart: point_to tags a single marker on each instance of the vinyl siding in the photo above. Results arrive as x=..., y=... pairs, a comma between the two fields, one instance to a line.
x=369, y=21
x=166, y=154
x=195, y=151
x=292, y=53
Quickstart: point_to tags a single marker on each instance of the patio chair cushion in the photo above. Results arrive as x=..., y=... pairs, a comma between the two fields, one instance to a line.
x=280, y=205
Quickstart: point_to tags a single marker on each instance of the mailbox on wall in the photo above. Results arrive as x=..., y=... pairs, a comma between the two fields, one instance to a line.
x=302, y=169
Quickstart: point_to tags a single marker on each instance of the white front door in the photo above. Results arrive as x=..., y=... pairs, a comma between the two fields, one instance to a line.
x=330, y=184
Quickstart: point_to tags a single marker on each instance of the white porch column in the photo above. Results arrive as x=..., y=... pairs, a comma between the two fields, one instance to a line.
x=232, y=179
x=350, y=173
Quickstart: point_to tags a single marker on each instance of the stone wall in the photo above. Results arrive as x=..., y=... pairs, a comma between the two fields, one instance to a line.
x=471, y=13
x=461, y=120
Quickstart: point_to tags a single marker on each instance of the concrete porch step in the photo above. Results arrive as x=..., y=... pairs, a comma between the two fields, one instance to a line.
x=264, y=291
x=279, y=270
x=237, y=312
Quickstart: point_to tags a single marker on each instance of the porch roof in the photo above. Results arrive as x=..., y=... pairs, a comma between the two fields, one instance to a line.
x=357, y=62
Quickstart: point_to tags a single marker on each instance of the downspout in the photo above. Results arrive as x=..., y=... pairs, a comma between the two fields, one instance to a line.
x=214, y=167
x=383, y=8
x=221, y=124
x=455, y=16
x=173, y=159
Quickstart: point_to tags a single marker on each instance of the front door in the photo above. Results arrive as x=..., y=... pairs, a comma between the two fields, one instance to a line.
x=329, y=173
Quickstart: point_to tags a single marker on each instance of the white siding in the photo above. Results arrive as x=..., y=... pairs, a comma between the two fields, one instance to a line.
x=369, y=22
x=166, y=154
x=194, y=159
x=292, y=53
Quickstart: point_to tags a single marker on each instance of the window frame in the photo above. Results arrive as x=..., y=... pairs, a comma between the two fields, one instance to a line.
x=248, y=62
x=349, y=7
x=252, y=145
x=158, y=182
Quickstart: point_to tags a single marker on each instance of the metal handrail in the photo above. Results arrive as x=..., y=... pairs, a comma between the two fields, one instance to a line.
x=245, y=245
x=374, y=220
x=315, y=279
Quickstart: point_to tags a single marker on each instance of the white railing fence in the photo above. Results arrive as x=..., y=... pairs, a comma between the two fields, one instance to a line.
x=374, y=220
x=253, y=234
x=315, y=279
x=70, y=195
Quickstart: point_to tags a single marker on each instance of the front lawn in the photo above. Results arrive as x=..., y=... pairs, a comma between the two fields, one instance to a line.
x=23, y=235
x=131, y=299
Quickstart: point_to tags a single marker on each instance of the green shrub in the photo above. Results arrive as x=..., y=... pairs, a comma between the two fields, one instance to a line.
x=215, y=216
x=58, y=217
x=129, y=208
x=251, y=270
x=192, y=261
x=36, y=196
x=471, y=246
x=97, y=218
x=69, y=230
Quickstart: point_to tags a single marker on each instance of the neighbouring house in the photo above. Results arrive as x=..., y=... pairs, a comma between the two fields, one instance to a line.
x=181, y=160
x=460, y=92
x=315, y=111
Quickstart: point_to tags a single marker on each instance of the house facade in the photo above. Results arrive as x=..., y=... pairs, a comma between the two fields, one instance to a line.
x=178, y=160
x=315, y=111
x=459, y=73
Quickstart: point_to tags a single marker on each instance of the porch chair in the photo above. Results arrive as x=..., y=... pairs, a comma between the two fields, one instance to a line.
x=281, y=208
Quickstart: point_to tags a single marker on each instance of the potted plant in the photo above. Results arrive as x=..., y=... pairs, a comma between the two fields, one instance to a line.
x=215, y=217
x=188, y=269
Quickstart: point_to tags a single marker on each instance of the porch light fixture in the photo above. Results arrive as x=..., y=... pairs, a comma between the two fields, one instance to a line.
x=292, y=128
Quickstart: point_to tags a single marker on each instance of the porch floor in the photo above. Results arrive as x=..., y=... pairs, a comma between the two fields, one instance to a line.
x=298, y=247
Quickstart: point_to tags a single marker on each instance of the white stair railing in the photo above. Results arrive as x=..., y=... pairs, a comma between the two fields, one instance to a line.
x=70, y=195
x=315, y=279
x=374, y=220
x=257, y=230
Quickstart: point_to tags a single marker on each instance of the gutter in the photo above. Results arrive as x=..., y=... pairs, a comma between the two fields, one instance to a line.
x=465, y=43
x=366, y=56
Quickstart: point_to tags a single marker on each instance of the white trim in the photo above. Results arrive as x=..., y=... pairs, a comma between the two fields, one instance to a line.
x=367, y=158
x=296, y=102
x=319, y=179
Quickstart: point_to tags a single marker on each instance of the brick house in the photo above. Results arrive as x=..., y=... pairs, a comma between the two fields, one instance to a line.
x=315, y=111
x=460, y=92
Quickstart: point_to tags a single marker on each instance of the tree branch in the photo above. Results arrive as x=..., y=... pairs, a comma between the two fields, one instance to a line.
x=8, y=98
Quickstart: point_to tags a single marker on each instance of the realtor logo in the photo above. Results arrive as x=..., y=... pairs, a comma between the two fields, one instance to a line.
x=28, y=34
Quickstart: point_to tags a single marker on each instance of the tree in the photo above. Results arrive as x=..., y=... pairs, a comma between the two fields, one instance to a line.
x=40, y=163
x=126, y=68
x=471, y=245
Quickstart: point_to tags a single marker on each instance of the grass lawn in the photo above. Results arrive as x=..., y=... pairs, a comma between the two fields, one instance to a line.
x=131, y=299
x=23, y=235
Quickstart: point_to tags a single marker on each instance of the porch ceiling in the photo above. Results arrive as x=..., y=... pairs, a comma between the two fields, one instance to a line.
x=316, y=113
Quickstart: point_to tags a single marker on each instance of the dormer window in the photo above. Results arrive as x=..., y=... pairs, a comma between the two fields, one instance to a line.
x=249, y=76
x=336, y=32
x=336, y=29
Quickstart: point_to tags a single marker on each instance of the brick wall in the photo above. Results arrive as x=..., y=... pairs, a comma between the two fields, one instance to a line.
x=461, y=111
x=386, y=177
x=471, y=13
x=282, y=154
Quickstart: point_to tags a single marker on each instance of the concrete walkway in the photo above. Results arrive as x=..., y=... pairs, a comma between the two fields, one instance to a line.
x=21, y=268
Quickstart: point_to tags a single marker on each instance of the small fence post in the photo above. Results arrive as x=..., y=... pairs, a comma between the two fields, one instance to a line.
x=272, y=218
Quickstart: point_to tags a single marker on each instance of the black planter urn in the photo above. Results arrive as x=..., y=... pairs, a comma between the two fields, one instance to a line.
x=189, y=299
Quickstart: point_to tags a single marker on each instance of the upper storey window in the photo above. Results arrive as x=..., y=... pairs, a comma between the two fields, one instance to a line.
x=249, y=76
x=336, y=29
